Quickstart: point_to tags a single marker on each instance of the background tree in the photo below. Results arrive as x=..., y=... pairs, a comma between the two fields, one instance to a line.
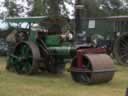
x=59, y=7
x=11, y=7
x=113, y=7
x=19, y=8
x=51, y=7
x=37, y=9
x=91, y=8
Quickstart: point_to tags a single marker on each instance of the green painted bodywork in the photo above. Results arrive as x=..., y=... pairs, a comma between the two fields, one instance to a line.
x=56, y=46
x=53, y=40
x=63, y=51
x=33, y=36
x=38, y=19
x=27, y=19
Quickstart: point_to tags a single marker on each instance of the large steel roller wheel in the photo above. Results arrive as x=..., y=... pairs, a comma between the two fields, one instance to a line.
x=97, y=68
x=25, y=58
x=120, y=49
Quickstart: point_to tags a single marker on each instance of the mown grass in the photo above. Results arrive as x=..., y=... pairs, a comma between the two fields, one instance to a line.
x=45, y=84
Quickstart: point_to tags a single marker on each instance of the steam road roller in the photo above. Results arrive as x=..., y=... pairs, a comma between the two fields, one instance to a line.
x=38, y=48
x=44, y=45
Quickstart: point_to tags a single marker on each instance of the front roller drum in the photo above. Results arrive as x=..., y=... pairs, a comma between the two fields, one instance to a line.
x=95, y=68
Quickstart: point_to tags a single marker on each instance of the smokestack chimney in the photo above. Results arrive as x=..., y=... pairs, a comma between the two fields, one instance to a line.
x=78, y=10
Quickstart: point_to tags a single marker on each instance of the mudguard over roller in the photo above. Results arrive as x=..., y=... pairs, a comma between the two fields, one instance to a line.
x=96, y=68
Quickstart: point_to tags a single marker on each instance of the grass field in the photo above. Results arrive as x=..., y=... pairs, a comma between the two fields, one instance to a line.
x=45, y=84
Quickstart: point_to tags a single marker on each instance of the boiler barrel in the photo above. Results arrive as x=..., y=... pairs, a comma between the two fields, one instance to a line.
x=63, y=52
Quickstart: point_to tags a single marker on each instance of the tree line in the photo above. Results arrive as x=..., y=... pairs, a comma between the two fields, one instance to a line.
x=93, y=8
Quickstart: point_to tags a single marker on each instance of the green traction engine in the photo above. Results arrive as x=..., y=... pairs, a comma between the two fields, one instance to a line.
x=43, y=46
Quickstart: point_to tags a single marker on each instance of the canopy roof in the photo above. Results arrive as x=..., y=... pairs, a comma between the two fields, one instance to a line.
x=38, y=19
x=113, y=18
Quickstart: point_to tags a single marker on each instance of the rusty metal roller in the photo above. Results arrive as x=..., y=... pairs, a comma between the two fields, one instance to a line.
x=102, y=69
x=96, y=68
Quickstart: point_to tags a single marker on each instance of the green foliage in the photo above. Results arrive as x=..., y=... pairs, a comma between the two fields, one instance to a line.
x=93, y=8
x=113, y=7
x=37, y=8
x=12, y=8
x=50, y=7
x=45, y=7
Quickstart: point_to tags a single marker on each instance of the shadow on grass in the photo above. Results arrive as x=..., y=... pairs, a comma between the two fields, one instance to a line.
x=44, y=74
x=50, y=75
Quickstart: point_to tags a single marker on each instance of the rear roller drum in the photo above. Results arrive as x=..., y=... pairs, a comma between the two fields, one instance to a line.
x=25, y=58
x=95, y=69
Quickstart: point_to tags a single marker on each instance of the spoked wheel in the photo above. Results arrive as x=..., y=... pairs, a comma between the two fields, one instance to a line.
x=120, y=49
x=25, y=58
x=96, y=68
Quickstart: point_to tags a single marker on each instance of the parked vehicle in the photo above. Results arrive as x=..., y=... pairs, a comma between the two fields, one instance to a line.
x=46, y=47
x=114, y=32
